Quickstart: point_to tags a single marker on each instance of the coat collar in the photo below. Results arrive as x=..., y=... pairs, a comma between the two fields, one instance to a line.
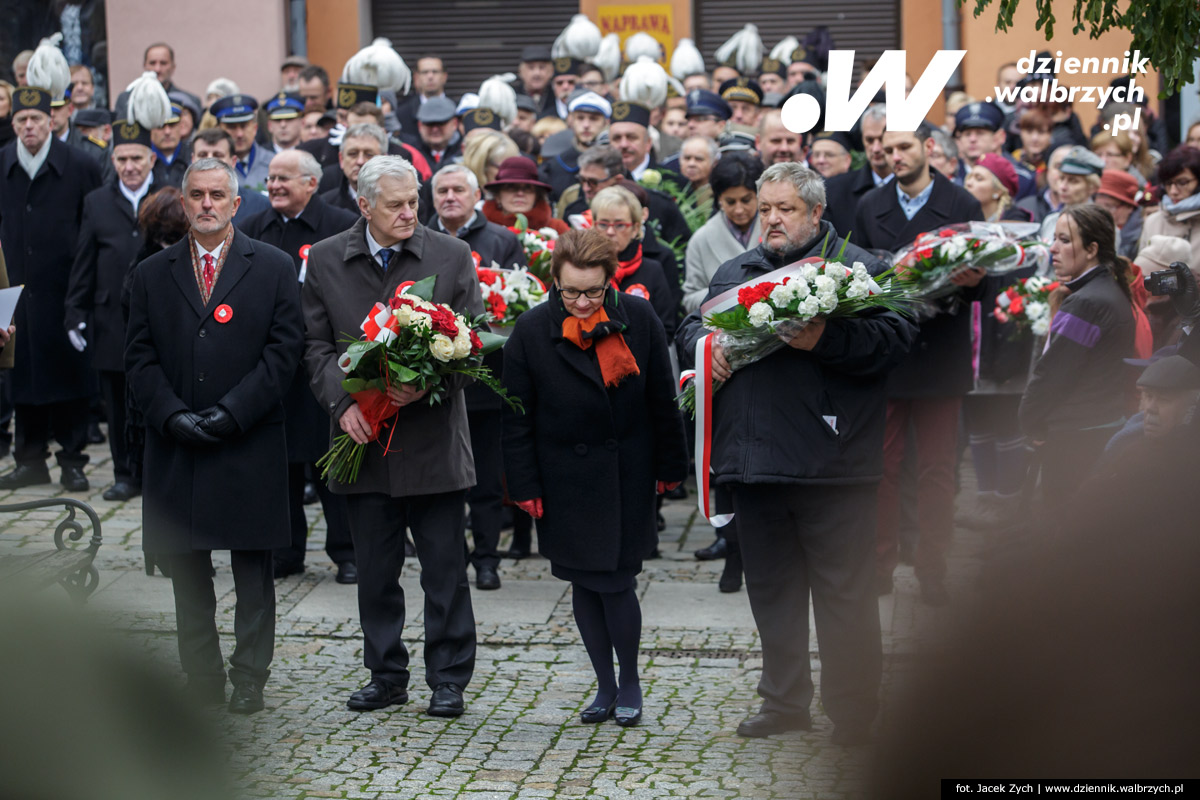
x=236, y=265
x=939, y=210
x=56, y=159
x=580, y=360
x=122, y=202
x=356, y=242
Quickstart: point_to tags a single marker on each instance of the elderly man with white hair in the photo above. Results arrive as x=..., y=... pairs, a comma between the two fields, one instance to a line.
x=421, y=480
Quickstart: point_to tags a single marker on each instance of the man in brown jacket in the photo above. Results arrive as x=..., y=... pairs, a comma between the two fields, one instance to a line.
x=421, y=481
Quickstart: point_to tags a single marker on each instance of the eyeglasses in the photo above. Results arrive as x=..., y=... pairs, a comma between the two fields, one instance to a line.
x=1179, y=183
x=591, y=183
x=592, y=84
x=616, y=226
x=281, y=178
x=595, y=293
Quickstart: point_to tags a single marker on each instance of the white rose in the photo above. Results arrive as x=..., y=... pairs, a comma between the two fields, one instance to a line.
x=761, y=313
x=442, y=347
x=824, y=284
x=462, y=344
x=1040, y=326
x=858, y=288
x=809, y=306
x=421, y=320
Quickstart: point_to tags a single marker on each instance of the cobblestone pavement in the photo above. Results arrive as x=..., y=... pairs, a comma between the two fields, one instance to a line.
x=521, y=736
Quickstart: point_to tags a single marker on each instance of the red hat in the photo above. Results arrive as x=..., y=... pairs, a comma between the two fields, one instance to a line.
x=1120, y=186
x=516, y=169
x=1002, y=169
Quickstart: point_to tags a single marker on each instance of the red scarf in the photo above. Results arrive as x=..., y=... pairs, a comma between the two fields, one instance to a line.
x=616, y=362
x=627, y=268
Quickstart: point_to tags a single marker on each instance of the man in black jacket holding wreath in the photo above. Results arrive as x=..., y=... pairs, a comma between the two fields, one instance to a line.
x=798, y=438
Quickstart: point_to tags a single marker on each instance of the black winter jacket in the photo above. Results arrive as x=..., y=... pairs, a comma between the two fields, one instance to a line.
x=769, y=419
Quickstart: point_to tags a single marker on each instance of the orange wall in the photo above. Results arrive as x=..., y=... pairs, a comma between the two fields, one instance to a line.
x=334, y=33
x=987, y=49
x=681, y=12
x=921, y=38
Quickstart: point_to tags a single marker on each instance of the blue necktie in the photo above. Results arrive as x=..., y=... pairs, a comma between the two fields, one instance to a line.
x=385, y=255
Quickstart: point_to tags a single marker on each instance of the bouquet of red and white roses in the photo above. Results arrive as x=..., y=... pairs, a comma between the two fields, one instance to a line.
x=759, y=317
x=538, y=244
x=410, y=340
x=1027, y=303
x=509, y=293
x=926, y=267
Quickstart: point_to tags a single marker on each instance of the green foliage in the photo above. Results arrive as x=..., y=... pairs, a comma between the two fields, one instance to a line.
x=1166, y=31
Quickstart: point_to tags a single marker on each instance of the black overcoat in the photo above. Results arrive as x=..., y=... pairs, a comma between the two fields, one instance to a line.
x=939, y=363
x=842, y=193
x=179, y=357
x=109, y=242
x=591, y=453
x=39, y=225
x=307, y=423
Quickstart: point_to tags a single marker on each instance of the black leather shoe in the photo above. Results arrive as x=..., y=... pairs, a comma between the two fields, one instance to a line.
x=282, y=570
x=486, y=577
x=515, y=553
x=717, y=549
x=207, y=692
x=73, y=479
x=447, y=701
x=627, y=717
x=377, y=694
x=95, y=435
x=121, y=491
x=25, y=475
x=594, y=714
x=849, y=735
x=310, y=493
x=347, y=572
x=246, y=699
x=769, y=723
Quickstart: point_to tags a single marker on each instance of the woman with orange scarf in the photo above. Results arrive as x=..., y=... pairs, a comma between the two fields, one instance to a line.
x=600, y=434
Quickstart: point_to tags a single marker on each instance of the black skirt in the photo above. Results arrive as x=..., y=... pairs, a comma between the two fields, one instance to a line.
x=604, y=582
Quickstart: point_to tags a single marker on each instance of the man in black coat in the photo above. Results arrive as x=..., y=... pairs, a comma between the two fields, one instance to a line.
x=108, y=245
x=216, y=143
x=360, y=144
x=844, y=191
x=798, y=438
x=215, y=335
x=44, y=183
x=455, y=193
x=435, y=133
x=927, y=389
x=297, y=220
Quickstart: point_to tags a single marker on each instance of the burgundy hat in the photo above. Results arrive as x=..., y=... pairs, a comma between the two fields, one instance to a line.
x=1120, y=186
x=1002, y=169
x=517, y=169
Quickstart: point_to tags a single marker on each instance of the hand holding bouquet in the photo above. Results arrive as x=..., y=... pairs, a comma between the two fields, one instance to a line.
x=410, y=342
x=1027, y=303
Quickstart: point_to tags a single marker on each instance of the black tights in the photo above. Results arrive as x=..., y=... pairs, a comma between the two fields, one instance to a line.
x=611, y=621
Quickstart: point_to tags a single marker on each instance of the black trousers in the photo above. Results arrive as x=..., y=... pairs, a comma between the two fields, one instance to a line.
x=797, y=539
x=253, y=622
x=377, y=523
x=486, y=497
x=66, y=421
x=112, y=387
x=338, y=544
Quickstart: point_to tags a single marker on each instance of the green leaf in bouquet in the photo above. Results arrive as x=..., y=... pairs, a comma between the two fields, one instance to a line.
x=355, y=385
x=402, y=374
x=522, y=223
x=423, y=288
x=359, y=349
x=491, y=341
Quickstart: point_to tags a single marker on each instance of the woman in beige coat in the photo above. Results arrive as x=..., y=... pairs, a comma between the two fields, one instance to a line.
x=1179, y=215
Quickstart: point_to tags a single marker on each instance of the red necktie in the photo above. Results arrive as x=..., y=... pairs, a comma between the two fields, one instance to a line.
x=209, y=273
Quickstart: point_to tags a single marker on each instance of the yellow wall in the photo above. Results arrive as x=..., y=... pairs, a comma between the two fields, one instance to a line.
x=987, y=50
x=681, y=18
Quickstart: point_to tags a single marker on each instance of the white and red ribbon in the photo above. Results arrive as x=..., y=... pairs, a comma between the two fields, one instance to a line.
x=704, y=396
x=380, y=325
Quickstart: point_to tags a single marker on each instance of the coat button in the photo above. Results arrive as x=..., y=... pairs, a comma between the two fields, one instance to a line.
x=203, y=333
x=28, y=207
x=200, y=377
x=581, y=449
x=611, y=444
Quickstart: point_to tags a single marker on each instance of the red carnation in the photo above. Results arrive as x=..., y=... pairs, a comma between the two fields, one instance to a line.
x=750, y=295
x=497, y=306
x=485, y=275
x=947, y=232
x=1017, y=306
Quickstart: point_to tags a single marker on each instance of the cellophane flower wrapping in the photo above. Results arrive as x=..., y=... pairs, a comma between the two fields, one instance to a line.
x=409, y=341
x=509, y=293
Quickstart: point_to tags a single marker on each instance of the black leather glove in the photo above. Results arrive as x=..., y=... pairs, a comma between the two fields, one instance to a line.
x=185, y=426
x=218, y=422
x=1187, y=302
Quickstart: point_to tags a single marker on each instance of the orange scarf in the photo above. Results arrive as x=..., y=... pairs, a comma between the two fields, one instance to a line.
x=616, y=362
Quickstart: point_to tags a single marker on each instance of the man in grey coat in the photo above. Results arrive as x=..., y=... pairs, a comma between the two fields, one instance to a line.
x=420, y=481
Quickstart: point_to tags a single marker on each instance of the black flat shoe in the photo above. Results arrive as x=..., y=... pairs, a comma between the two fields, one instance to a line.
x=596, y=714
x=487, y=578
x=25, y=475
x=627, y=717
x=377, y=694
x=717, y=549
x=246, y=700
x=95, y=435
x=347, y=572
x=310, y=494
x=447, y=701
x=73, y=479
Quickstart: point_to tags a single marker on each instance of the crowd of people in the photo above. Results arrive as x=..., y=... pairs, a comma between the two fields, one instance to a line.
x=193, y=265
